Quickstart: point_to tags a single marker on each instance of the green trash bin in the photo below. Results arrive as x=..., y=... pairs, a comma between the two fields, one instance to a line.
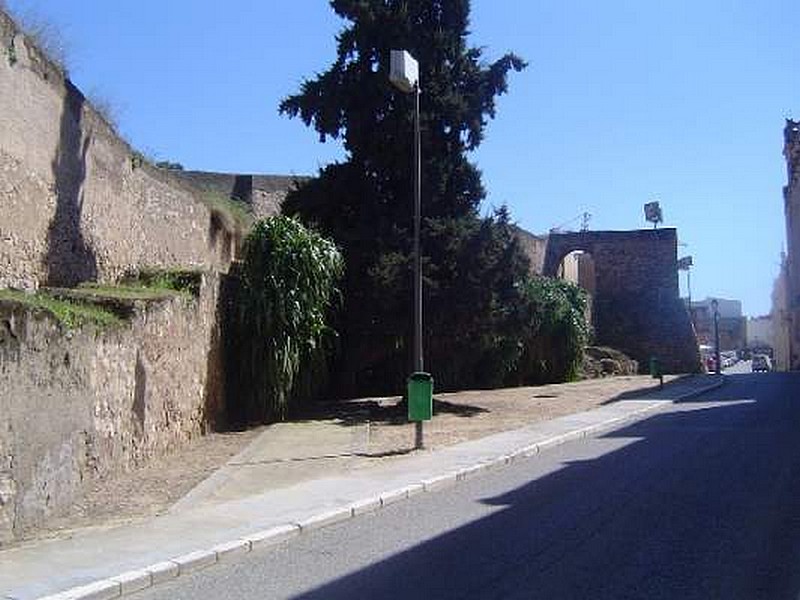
x=655, y=370
x=655, y=367
x=420, y=396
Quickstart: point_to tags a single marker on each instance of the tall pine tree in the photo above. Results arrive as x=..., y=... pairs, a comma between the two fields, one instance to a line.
x=471, y=264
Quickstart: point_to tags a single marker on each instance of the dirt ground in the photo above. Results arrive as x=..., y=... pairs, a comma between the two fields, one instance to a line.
x=464, y=416
x=458, y=417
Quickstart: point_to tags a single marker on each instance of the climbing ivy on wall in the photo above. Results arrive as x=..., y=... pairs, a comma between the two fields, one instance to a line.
x=281, y=337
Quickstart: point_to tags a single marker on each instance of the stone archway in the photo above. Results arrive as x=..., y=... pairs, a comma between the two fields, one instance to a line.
x=578, y=267
x=636, y=305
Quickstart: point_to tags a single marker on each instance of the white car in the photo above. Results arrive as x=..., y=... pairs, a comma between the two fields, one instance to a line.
x=761, y=362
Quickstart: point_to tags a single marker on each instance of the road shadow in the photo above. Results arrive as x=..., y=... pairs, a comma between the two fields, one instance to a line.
x=654, y=392
x=70, y=259
x=687, y=504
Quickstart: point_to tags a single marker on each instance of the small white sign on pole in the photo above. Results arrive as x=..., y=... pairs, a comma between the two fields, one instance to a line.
x=403, y=70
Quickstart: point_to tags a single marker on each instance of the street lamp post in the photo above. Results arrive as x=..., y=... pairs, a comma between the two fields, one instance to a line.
x=685, y=264
x=717, y=364
x=418, y=362
x=405, y=76
x=689, y=285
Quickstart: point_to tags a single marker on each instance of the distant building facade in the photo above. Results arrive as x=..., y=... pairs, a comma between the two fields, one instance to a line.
x=759, y=332
x=781, y=321
x=791, y=199
x=732, y=325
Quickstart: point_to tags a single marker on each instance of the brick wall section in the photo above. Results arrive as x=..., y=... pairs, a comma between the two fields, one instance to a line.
x=636, y=306
x=76, y=202
x=94, y=402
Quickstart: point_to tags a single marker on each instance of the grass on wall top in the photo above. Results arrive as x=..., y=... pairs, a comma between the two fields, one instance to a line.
x=104, y=305
x=69, y=313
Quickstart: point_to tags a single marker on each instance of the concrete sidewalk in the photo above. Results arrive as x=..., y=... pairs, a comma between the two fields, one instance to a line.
x=232, y=512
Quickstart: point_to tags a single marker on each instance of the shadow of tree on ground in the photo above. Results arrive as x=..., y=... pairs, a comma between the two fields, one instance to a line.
x=389, y=412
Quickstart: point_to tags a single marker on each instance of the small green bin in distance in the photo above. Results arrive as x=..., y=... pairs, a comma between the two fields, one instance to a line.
x=420, y=396
x=655, y=368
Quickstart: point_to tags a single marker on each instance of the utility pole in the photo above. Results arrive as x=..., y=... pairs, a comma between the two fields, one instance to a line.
x=717, y=361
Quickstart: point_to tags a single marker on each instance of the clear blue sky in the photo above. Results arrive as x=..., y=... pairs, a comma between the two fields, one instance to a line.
x=623, y=102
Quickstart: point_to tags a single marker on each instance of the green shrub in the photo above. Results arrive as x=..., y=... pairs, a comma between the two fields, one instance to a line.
x=551, y=315
x=281, y=338
x=178, y=280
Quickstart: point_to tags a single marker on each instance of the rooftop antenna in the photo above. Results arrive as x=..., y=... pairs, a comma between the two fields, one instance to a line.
x=585, y=221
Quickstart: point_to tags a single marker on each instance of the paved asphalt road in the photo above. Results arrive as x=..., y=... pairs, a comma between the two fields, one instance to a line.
x=701, y=500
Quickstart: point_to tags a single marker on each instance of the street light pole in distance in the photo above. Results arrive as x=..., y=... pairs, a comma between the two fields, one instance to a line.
x=717, y=363
x=685, y=264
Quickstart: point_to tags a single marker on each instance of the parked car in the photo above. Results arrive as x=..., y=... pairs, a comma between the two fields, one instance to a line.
x=761, y=362
x=729, y=358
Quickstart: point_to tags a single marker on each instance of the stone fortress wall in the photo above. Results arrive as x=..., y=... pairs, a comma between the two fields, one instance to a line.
x=264, y=194
x=636, y=302
x=81, y=405
x=78, y=204
x=534, y=247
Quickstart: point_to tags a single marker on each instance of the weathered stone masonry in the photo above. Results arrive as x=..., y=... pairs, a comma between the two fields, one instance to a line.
x=263, y=193
x=91, y=402
x=78, y=203
x=637, y=306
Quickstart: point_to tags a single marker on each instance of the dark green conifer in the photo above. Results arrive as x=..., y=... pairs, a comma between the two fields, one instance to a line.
x=471, y=263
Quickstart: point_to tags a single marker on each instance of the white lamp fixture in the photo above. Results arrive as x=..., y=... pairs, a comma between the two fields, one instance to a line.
x=403, y=71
